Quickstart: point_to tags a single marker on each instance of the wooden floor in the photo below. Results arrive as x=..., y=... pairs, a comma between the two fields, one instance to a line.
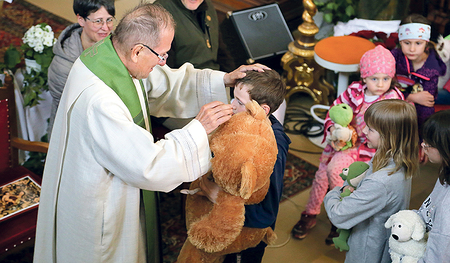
x=312, y=248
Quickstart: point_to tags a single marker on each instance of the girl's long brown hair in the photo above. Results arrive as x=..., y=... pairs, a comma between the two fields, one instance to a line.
x=396, y=122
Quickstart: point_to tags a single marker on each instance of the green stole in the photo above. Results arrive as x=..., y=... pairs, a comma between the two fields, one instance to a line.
x=109, y=68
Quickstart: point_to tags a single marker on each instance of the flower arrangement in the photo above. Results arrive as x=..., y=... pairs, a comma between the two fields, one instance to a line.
x=379, y=38
x=37, y=45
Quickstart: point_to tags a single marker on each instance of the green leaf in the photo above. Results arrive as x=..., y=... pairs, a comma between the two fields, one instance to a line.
x=331, y=6
x=34, y=84
x=319, y=5
x=328, y=17
x=35, y=162
x=46, y=60
x=12, y=57
x=350, y=11
x=29, y=53
x=28, y=98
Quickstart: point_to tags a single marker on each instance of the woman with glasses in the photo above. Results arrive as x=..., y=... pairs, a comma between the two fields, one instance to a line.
x=435, y=210
x=95, y=22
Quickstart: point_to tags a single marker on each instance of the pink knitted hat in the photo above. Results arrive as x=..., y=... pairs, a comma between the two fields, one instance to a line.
x=377, y=60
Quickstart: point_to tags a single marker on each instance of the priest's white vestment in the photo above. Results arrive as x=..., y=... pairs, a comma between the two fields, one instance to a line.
x=99, y=159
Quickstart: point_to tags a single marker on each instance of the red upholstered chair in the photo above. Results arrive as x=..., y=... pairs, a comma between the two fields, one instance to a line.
x=17, y=229
x=438, y=107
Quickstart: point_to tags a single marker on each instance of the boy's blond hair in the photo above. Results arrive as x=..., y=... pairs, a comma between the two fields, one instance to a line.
x=265, y=87
x=396, y=122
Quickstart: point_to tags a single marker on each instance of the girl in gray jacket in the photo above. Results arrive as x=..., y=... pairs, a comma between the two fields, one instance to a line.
x=392, y=130
x=435, y=210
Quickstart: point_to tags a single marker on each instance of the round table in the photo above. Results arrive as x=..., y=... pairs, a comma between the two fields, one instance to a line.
x=342, y=55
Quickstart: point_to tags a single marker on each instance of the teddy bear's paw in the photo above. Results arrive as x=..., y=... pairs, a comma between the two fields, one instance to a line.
x=396, y=258
x=270, y=237
x=211, y=239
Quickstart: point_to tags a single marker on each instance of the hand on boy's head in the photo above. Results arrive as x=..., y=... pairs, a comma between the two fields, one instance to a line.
x=213, y=114
x=230, y=78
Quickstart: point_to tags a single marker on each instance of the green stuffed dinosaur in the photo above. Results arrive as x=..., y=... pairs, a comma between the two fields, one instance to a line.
x=353, y=175
x=344, y=135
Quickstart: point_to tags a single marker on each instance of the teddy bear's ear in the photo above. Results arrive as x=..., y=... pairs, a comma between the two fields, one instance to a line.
x=419, y=229
x=255, y=110
x=388, y=223
x=248, y=182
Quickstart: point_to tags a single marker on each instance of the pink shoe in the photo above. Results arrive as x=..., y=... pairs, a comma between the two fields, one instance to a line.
x=301, y=229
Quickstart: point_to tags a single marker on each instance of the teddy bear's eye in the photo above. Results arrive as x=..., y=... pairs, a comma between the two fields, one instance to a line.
x=399, y=226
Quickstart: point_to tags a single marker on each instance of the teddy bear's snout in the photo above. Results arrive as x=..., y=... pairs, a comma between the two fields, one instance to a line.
x=394, y=236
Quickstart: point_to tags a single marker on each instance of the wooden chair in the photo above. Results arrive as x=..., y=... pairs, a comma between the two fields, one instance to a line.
x=17, y=229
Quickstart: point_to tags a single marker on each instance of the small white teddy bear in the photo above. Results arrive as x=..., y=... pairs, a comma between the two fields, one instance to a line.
x=408, y=239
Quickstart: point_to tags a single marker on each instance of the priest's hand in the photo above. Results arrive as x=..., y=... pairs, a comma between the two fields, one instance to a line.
x=213, y=114
x=230, y=78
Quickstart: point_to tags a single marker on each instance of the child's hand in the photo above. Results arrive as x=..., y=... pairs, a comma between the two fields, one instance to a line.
x=423, y=98
x=331, y=129
x=348, y=187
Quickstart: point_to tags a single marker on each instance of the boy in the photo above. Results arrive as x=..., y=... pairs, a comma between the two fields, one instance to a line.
x=268, y=89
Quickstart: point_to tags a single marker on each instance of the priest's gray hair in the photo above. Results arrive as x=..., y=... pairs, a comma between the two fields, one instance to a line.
x=144, y=24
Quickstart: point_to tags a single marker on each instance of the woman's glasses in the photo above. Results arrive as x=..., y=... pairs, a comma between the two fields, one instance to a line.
x=98, y=23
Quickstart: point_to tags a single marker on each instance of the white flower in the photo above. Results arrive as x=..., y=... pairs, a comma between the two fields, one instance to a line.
x=39, y=32
x=48, y=42
x=39, y=37
x=31, y=43
x=39, y=47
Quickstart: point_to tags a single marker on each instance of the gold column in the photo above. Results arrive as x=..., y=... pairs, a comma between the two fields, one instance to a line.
x=1, y=7
x=301, y=72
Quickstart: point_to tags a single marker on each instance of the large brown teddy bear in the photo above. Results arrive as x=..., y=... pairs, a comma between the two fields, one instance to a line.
x=245, y=151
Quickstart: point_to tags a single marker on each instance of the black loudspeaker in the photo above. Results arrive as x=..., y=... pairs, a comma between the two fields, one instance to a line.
x=262, y=30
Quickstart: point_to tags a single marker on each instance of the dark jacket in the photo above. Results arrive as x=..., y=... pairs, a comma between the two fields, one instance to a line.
x=196, y=36
x=264, y=214
x=432, y=69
